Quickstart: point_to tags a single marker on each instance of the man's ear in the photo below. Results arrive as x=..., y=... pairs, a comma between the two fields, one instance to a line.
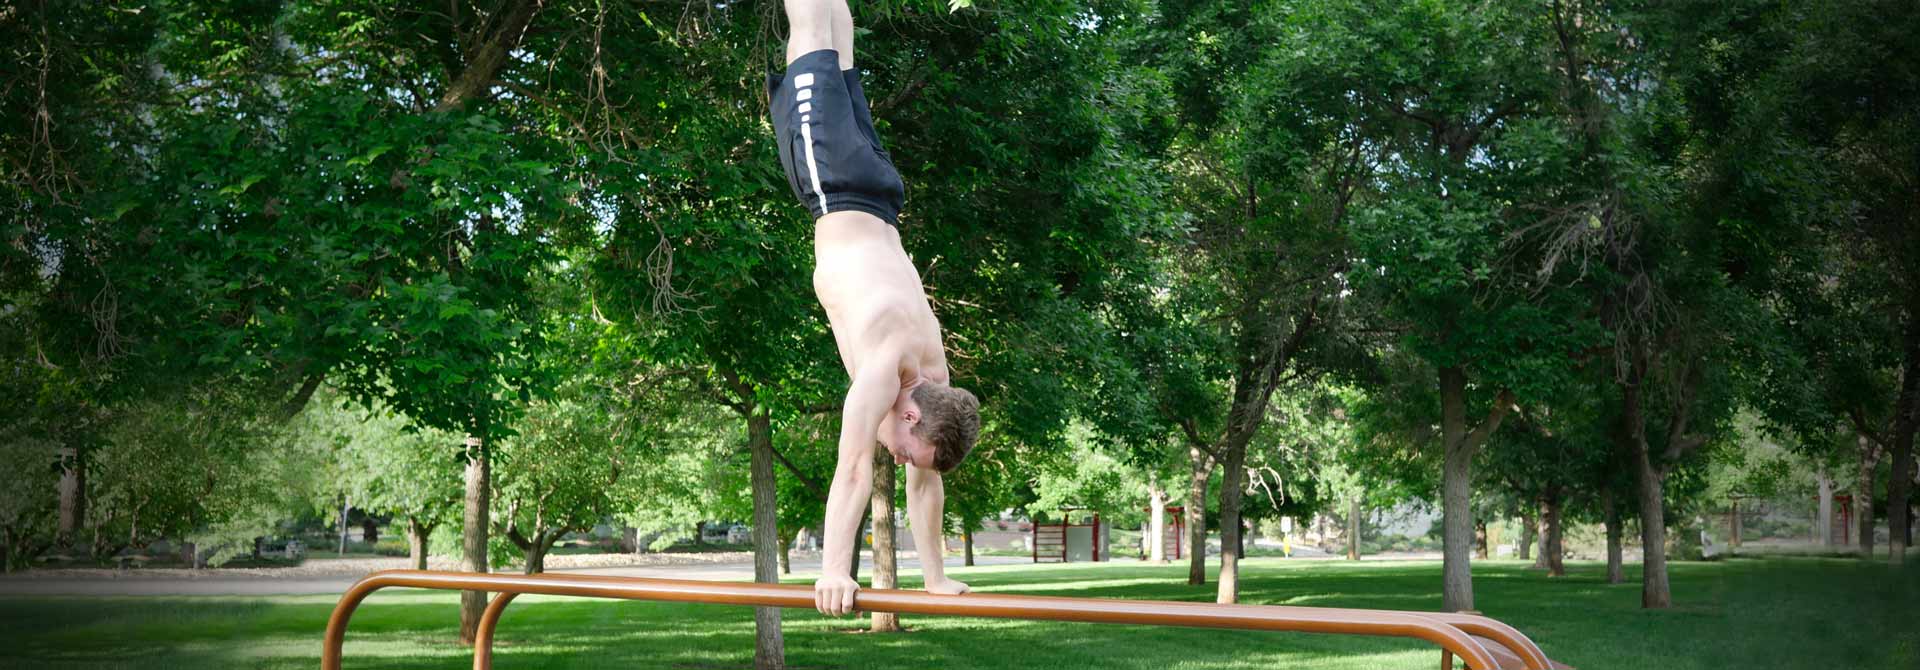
x=910, y=415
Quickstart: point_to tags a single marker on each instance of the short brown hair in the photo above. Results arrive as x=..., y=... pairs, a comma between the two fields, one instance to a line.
x=950, y=420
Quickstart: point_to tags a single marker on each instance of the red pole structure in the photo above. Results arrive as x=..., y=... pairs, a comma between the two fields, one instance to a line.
x=1471, y=638
x=1096, y=537
x=1845, y=502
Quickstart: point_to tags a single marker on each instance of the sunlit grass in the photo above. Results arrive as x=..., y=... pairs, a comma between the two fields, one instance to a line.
x=1783, y=613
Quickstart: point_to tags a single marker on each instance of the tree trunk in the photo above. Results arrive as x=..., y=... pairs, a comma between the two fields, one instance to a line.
x=1825, y=526
x=1906, y=416
x=369, y=530
x=853, y=564
x=1654, y=591
x=629, y=540
x=886, y=566
x=769, y=647
x=786, y=554
x=1650, y=483
x=1157, y=524
x=1197, y=515
x=345, y=507
x=966, y=540
x=1863, y=495
x=473, y=539
x=1541, y=531
x=1527, y=535
x=1735, y=519
x=1353, y=528
x=1480, y=539
x=1231, y=491
x=535, y=553
x=1456, y=494
x=417, y=536
x=1551, y=545
x=1245, y=530
x=1616, y=560
x=73, y=497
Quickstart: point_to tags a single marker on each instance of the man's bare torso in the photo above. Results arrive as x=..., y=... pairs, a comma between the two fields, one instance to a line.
x=872, y=293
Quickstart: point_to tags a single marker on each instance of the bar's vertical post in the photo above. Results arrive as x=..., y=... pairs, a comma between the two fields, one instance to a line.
x=1446, y=660
x=483, y=637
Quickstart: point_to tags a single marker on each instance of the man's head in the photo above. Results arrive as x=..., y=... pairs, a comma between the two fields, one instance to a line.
x=934, y=427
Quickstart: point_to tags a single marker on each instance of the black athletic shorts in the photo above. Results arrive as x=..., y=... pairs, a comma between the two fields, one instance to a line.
x=825, y=134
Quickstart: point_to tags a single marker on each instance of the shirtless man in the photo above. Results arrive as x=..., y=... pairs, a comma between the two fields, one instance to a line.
x=885, y=330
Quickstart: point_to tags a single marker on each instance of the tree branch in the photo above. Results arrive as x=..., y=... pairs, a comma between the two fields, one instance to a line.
x=521, y=541
x=490, y=56
x=906, y=93
x=1502, y=405
x=1678, y=446
x=811, y=486
x=302, y=396
x=1194, y=440
x=1860, y=425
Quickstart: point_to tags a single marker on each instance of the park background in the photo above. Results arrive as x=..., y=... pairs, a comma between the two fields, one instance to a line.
x=1630, y=287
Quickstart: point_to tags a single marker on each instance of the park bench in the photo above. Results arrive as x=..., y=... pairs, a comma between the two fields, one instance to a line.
x=1480, y=642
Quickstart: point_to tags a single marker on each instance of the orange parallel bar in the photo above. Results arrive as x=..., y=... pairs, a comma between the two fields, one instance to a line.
x=1450, y=632
x=1508, y=636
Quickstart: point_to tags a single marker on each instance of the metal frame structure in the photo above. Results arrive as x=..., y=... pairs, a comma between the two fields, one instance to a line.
x=1176, y=525
x=1483, y=643
x=1060, y=529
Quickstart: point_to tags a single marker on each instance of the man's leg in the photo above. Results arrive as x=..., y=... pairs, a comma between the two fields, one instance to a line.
x=842, y=32
x=831, y=154
x=810, y=28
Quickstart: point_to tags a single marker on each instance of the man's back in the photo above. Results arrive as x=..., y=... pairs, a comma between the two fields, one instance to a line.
x=872, y=292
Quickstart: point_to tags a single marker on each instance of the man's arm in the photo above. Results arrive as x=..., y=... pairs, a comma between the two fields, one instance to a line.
x=875, y=385
x=926, y=510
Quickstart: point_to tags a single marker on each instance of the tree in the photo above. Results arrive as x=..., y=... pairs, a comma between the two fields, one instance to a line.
x=1545, y=464
x=566, y=463
x=1858, y=119
x=378, y=460
x=1264, y=172
x=326, y=218
x=1438, y=255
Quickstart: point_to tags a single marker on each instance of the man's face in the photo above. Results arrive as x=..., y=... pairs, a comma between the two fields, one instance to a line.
x=896, y=432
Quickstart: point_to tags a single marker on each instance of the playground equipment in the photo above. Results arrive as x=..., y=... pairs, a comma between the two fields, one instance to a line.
x=1065, y=541
x=1173, y=533
x=1482, y=643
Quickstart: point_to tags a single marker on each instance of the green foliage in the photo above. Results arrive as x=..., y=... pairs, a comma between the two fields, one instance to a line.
x=1090, y=479
x=378, y=461
x=192, y=468
x=1137, y=221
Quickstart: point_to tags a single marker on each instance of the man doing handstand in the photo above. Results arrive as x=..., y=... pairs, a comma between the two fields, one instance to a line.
x=882, y=323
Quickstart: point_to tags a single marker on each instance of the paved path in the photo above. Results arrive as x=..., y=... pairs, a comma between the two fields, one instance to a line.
x=215, y=585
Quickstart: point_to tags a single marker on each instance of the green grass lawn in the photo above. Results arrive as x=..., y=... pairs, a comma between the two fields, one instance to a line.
x=1776, y=613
